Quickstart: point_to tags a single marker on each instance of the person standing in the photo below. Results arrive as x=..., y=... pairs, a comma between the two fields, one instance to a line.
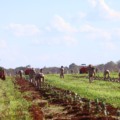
x=39, y=78
x=91, y=73
x=62, y=72
x=20, y=73
x=119, y=75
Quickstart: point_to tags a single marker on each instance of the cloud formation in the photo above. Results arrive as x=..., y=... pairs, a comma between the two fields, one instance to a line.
x=93, y=3
x=95, y=33
x=104, y=10
x=24, y=30
x=61, y=25
x=110, y=13
x=3, y=44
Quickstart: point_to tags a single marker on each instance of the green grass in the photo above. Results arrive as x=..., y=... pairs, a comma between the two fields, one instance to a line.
x=12, y=105
x=103, y=90
x=112, y=74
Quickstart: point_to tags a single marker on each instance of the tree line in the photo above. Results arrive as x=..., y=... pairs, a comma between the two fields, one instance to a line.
x=72, y=68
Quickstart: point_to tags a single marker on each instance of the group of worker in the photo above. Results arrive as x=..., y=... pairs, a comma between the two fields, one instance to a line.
x=36, y=78
x=91, y=73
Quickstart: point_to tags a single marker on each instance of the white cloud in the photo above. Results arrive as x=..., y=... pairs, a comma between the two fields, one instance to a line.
x=94, y=33
x=65, y=32
x=104, y=36
x=109, y=45
x=93, y=2
x=117, y=32
x=66, y=39
x=104, y=10
x=110, y=13
x=82, y=15
x=69, y=40
x=48, y=28
x=24, y=30
x=61, y=25
x=3, y=44
x=88, y=28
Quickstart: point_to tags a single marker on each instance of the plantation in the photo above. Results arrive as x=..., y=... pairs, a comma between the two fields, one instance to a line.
x=12, y=104
x=70, y=98
x=103, y=90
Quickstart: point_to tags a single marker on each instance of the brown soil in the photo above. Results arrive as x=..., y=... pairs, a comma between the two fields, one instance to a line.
x=47, y=106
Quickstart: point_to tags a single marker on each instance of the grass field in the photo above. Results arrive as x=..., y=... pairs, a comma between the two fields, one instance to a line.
x=112, y=74
x=103, y=90
x=12, y=104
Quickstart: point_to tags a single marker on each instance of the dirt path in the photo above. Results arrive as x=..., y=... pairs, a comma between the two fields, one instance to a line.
x=41, y=108
x=48, y=107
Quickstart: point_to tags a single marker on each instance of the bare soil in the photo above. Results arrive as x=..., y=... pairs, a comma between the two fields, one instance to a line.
x=47, y=106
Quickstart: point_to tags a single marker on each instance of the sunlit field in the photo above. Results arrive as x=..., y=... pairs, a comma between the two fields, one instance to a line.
x=103, y=90
x=112, y=74
x=12, y=104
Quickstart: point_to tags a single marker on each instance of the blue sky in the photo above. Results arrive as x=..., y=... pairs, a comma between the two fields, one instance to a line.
x=59, y=32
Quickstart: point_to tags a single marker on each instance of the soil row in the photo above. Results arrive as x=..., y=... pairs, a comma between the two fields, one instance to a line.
x=51, y=103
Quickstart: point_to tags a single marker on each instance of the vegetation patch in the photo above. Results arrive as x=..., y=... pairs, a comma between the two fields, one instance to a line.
x=12, y=104
x=103, y=90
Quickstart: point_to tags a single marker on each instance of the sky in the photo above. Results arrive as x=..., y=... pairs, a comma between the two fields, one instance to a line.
x=49, y=33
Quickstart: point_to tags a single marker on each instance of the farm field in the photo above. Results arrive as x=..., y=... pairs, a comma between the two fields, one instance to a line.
x=103, y=90
x=112, y=74
x=59, y=60
x=12, y=104
x=20, y=99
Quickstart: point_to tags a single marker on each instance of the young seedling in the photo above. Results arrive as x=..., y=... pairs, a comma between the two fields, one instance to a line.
x=118, y=113
x=89, y=105
x=104, y=109
x=98, y=108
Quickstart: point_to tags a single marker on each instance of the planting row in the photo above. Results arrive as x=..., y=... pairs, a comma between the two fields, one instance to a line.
x=102, y=78
x=75, y=104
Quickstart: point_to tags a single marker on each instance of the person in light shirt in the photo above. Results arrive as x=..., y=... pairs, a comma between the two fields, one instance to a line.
x=106, y=74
